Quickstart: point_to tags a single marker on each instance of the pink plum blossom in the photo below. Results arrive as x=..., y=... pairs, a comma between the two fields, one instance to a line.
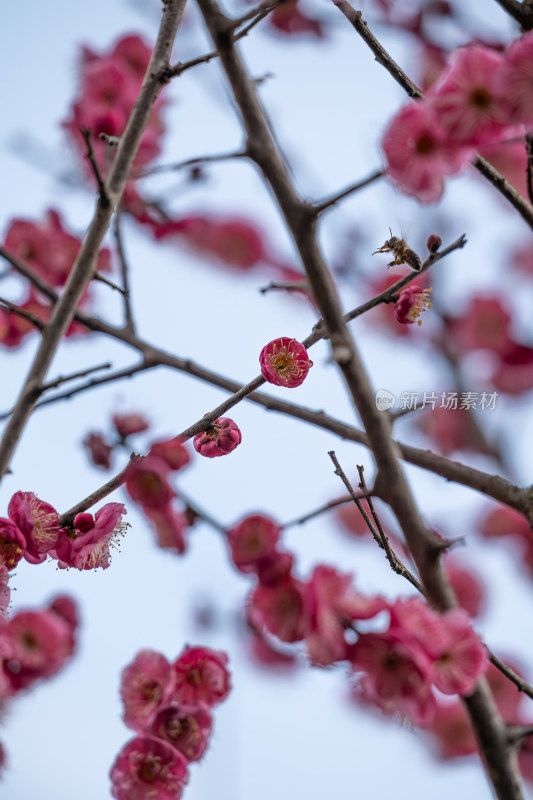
x=252, y=541
x=467, y=99
x=99, y=450
x=279, y=608
x=148, y=768
x=169, y=525
x=39, y=523
x=89, y=547
x=411, y=302
x=12, y=543
x=220, y=438
x=330, y=604
x=35, y=644
x=418, y=152
x=395, y=675
x=147, y=482
x=284, y=362
x=146, y=686
x=201, y=676
x=515, y=79
x=128, y=424
x=173, y=451
x=185, y=727
x=235, y=242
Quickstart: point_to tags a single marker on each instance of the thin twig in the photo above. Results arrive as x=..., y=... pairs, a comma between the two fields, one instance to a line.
x=124, y=271
x=202, y=514
x=102, y=191
x=318, y=208
x=293, y=286
x=181, y=67
x=520, y=683
x=529, y=151
x=65, y=378
x=21, y=312
x=341, y=501
x=377, y=531
x=102, y=279
x=189, y=162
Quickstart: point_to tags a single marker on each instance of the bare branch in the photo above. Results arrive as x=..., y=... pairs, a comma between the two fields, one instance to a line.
x=355, y=187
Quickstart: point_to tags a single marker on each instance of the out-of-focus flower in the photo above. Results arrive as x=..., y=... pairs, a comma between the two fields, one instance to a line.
x=146, y=686
x=147, y=482
x=252, y=541
x=279, y=608
x=185, y=727
x=484, y=325
x=172, y=451
x=128, y=424
x=288, y=18
x=515, y=78
x=148, y=768
x=331, y=603
x=99, y=450
x=170, y=525
x=234, y=242
x=284, y=362
x=201, y=676
x=469, y=104
x=418, y=152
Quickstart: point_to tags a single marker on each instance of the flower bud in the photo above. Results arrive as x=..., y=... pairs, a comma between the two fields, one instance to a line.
x=219, y=439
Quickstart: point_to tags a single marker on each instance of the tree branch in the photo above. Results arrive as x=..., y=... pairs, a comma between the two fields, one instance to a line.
x=84, y=266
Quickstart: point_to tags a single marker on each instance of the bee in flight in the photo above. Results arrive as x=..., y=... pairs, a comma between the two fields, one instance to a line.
x=402, y=253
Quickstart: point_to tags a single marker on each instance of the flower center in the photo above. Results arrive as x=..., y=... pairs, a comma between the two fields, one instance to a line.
x=480, y=98
x=425, y=144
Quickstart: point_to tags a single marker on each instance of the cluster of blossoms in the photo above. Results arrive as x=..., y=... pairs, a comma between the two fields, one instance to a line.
x=482, y=98
x=109, y=87
x=49, y=251
x=397, y=670
x=148, y=484
x=485, y=325
x=34, y=645
x=168, y=705
x=31, y=531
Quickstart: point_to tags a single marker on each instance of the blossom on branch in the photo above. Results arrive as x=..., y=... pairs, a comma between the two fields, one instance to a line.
x=218, y=439
x=284, y=362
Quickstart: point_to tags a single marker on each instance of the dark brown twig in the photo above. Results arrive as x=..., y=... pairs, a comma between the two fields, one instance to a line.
x=124, y=271
x=21, y=312
x=319, y=208
x=102, y=191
